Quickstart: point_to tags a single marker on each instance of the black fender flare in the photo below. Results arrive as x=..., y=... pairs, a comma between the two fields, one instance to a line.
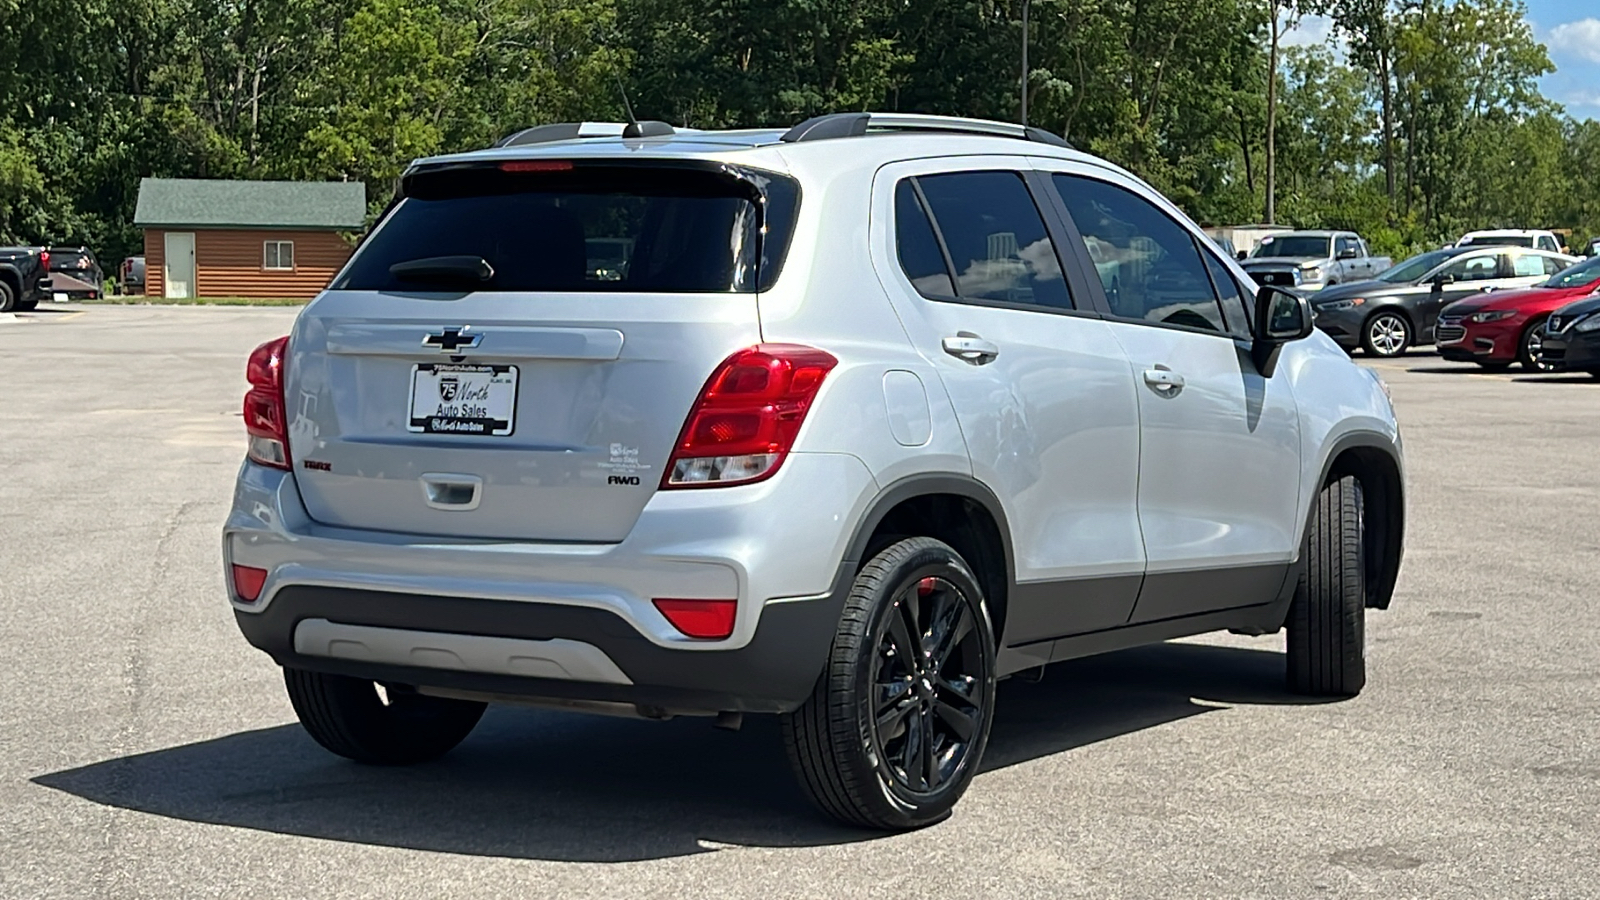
x=1384, y=501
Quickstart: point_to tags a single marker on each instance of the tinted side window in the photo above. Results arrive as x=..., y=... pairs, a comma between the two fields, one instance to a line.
x=919, y=251
x=996, y=238
x=1235, y=309
x=1147, y=262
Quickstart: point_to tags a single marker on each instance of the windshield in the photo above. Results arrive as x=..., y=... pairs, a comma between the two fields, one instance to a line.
x=1485, y=240
x=1293, y=245
x=1586, y=272
x=1415, y=267
x=634, y=229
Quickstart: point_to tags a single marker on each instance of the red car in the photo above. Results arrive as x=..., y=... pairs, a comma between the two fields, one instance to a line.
x=1494, y=330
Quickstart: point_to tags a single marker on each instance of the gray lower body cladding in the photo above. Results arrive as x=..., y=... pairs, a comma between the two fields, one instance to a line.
x=775, y=672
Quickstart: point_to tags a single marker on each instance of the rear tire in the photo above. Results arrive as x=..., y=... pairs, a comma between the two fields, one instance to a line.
x=347, y=716
x=1327, y=618
x=8, y=297
x=896, y=727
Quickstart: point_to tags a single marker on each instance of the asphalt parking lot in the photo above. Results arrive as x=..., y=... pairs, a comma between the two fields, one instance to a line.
x=147, y=751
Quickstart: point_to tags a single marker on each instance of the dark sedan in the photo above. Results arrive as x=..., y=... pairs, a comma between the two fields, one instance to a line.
x=1398, y=309
x=1572, y=337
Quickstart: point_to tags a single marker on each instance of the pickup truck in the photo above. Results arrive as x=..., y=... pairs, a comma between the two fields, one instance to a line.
x=1313, y=260
x=24, y=277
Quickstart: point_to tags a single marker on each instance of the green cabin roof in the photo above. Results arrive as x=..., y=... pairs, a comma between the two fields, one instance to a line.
x=211, y=203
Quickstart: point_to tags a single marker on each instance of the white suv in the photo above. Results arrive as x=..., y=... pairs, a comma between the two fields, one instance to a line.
x=844, y=423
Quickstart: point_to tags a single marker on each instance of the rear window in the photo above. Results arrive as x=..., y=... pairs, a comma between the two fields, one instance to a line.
x=590, y=228
x=1490, y=241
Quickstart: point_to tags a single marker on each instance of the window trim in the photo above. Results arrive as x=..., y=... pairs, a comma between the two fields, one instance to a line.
x=1042, y=205
x=1096, y=290
x=279, y=244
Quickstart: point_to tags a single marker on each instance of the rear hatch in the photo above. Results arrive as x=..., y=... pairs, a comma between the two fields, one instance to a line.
x=512, y=352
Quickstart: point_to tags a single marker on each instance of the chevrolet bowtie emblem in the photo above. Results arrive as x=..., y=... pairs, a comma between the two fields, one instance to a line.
x=452, y=340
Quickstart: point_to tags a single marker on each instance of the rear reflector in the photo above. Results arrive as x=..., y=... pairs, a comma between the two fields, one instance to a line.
x=709, y=619
x=247, y=582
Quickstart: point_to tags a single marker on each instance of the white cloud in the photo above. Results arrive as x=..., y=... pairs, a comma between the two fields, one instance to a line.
x=1580, y=38
x=1580, y=99
x=1313, y=30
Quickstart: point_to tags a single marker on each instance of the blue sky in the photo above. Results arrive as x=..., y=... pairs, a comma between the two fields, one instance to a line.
x=1569, y=29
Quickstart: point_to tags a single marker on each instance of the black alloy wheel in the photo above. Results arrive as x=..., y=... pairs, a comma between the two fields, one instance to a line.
x=895, y=729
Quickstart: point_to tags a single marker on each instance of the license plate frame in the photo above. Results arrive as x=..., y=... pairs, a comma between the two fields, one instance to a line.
x=478, y=406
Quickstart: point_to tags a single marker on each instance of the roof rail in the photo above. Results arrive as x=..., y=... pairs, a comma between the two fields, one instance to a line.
x=837, y=125
x=566, y=131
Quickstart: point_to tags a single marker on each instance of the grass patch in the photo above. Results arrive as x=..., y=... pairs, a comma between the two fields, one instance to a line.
x=197, y=301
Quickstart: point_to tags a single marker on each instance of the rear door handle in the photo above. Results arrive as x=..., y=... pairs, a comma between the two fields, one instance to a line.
x=970, y=348
x=1164, y=380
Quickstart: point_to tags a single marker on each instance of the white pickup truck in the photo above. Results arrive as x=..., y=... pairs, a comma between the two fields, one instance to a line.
x=1313, y=260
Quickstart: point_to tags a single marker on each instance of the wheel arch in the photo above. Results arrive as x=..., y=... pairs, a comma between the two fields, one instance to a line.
x=1375, y=463
x=958, y=510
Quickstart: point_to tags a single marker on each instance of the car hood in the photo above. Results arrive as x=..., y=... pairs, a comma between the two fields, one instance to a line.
x=1531, y=299
x=1581, y=307
x=1367, y=288
x=1282, y=261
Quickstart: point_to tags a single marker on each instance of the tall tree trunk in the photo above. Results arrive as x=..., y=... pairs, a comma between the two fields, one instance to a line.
x=1388, y=125
x=1272, y=119
x=1244, y=145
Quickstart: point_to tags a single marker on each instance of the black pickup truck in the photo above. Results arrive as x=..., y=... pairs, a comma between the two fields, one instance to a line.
x=24, y=277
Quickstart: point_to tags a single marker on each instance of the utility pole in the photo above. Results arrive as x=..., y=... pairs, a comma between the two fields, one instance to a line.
x=1025, y=5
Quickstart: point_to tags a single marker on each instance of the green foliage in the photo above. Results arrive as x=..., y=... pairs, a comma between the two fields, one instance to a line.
x=1429, y=125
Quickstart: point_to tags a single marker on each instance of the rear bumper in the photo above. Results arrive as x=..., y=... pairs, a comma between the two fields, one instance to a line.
x=1573, y=350
x=777, y=547
x=575, y=653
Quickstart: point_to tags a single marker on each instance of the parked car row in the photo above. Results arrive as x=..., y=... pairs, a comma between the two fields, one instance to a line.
x=1485, y=304
x=24, y=277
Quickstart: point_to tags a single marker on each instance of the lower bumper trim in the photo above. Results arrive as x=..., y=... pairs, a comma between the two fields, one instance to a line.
x=553, y=658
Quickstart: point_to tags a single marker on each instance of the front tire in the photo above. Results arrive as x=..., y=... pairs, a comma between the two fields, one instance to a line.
x=349, y=717
x=1327, y=618
x=8, y=297
x=1530, y=349
x=1386, y=334
x=896, y=727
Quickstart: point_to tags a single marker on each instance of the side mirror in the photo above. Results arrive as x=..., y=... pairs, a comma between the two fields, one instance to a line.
x=1443, y=278
x=1242, y=255
x=1347, y=253
x=1281, y=316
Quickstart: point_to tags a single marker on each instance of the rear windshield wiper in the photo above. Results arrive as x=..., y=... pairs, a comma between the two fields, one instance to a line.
x=444, y=270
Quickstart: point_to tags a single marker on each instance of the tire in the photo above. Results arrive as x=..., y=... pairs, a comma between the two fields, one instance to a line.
x=26, y=305
x=8, y=297
x=347, y=716
x=1529, y=348
x=1386, y=334
x=1327, y=617
x=854, y=743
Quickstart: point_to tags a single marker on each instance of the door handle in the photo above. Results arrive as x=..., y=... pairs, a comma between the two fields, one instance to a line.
x=970, y=348
x=1165, y=381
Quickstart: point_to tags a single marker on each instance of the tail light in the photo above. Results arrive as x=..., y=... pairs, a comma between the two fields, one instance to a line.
x=747, y=416
x=44, y=258
x=707, y=619
x=264, y=416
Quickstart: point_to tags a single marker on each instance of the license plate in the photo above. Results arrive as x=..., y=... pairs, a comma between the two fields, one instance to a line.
x=451, y=398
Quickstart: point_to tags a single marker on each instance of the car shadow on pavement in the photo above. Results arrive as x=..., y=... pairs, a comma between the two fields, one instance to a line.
x=559, y=786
